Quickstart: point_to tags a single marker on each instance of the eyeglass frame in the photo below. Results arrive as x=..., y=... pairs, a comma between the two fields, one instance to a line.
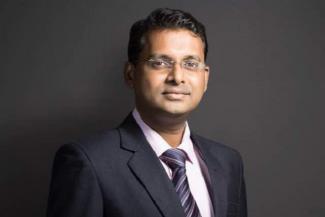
x=170, y=64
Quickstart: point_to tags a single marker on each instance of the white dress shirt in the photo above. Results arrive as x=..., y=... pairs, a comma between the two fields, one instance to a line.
x=193, y=171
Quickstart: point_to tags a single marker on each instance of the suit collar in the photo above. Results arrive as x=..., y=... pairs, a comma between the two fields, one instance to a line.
x=131, y=134
x=147, y=168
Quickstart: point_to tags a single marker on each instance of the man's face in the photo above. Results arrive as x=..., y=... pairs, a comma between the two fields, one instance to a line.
x=175, y=90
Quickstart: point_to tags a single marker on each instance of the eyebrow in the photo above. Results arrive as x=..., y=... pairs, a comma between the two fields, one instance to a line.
x=191, y=57
x=160, y=56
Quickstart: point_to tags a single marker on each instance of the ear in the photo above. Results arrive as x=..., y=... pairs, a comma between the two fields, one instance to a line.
x=206, y=77
x=129, y=73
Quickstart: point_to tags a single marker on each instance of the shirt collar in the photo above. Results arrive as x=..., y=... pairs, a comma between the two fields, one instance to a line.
x=158, y=144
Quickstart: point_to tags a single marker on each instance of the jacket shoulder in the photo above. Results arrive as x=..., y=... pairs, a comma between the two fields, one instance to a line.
x=99, y=141
x=220, y=150
x=93, y=146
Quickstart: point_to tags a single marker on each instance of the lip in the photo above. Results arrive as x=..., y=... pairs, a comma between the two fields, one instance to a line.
x=175, y=95
x=176, y=92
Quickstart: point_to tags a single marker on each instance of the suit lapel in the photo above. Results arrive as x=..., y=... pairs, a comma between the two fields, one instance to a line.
x=215, y=177
x=147, y=168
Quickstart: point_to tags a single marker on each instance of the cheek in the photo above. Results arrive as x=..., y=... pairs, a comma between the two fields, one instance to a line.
x=198, y=84
x=153, y=82
x=150, y=84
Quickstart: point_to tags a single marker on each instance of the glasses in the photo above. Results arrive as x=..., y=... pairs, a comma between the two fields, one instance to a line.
x=164, y=64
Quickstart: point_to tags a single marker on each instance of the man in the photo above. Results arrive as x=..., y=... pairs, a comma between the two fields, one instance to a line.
x=152, y=164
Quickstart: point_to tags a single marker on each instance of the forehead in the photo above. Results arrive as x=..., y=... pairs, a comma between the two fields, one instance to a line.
x=175, y=43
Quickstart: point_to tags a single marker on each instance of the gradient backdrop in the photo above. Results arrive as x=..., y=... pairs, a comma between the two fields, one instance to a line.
x=61, y=66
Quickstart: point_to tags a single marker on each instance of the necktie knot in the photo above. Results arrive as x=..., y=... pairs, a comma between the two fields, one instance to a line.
x=174, y=158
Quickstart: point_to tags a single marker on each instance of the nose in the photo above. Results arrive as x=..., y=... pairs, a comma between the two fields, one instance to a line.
x=176, y=74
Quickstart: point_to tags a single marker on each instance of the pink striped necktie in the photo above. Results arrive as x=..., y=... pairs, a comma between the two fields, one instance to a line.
x=175, y=160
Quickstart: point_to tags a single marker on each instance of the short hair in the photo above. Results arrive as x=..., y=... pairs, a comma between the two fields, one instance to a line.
x=163, y=18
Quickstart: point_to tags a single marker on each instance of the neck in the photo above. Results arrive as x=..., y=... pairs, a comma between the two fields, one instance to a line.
x=170, y=128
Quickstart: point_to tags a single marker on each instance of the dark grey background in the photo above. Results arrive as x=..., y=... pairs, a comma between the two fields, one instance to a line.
x=61, y=78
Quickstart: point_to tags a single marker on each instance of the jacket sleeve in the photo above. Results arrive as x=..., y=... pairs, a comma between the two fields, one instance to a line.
x=242, y=196
x=74, y=188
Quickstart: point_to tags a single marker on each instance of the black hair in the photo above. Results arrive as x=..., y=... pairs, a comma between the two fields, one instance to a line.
x=163, y=18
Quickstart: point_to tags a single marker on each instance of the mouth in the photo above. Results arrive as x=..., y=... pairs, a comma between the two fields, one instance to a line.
x=176, y=92
x=175, y=95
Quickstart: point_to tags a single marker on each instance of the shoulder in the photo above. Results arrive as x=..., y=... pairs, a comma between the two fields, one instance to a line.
x=99, y=141
x=222, y=152
x=92, y=146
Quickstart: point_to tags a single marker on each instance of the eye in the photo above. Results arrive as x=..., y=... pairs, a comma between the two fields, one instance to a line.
x=191, y=64
x=158, y=64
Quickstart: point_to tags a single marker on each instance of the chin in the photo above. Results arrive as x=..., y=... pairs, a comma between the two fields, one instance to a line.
x=176, y=111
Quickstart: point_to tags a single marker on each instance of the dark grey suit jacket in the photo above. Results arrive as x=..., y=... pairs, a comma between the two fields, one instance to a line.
x=117, y=174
